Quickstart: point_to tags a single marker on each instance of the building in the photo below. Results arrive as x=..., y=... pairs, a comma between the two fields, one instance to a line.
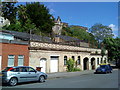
x=4, y=22
x=33, y=50
x=13, y=51
x=52, y=56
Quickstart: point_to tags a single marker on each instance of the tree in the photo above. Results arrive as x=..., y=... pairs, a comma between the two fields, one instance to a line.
x=39, y=15
x=80, y=33
x=101, y=32
x=9, y=11
x=32, y=16
x=113, y=47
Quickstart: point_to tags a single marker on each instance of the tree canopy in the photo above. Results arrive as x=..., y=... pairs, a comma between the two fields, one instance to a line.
x=101, y=32
x=80, y=33
x=9, y=11
x=32, y=16
x=113, y=47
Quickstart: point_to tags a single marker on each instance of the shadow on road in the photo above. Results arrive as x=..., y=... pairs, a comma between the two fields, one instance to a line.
x=23, y=83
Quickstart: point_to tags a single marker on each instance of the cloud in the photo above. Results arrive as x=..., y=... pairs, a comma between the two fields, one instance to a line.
x=52, y=11
x=113, y=27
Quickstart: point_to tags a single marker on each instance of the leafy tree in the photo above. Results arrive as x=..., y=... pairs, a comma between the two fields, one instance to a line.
x=9, y=11
x=80, y=33
x=101, y=32
x=32, y=16
x=113, y=47
x=66, y=31
x=39, y=15
x=14, y=26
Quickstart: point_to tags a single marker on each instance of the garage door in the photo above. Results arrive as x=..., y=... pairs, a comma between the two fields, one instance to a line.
x=0, y=61
x=54, y=64
x=43, y=65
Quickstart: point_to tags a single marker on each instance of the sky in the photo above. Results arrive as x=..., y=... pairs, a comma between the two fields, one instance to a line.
x=86, y=13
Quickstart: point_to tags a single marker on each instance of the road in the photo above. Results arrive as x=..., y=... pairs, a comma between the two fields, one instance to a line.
x=82, y=81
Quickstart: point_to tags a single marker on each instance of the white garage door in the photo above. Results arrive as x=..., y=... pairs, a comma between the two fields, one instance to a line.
x=54, y=64
x=43, y=65
x=0, y=62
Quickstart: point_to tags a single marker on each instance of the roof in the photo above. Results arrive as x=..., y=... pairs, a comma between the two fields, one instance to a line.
x=27, y=36
x=68, y=38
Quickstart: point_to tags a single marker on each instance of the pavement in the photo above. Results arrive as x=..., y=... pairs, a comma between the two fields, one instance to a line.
x=68, y=74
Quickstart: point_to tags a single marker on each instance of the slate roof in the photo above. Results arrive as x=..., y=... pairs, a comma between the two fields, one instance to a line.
x=26, y=36
x=68, y=38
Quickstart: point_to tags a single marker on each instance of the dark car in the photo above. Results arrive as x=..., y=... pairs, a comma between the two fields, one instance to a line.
x=18, y=74
x=104, y=69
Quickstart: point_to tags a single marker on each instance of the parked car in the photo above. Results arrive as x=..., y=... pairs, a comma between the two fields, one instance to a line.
x=104, y=69
x=18, y=74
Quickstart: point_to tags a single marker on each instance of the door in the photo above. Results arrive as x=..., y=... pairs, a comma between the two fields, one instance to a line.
x=32, y=74
x=43, y=65
x=54, y=64
x=23, y=74
x=0, y=62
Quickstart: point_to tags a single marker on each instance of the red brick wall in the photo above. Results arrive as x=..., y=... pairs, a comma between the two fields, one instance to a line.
x=14, y=49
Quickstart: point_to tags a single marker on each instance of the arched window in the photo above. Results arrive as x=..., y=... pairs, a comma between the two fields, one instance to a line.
x=73, y=57
x=101, y=60
x=98, y=61
x=78, y=62
x=65, y=60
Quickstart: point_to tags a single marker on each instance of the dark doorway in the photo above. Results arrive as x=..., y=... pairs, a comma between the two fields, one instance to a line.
x=93, y=63
x=86, y=63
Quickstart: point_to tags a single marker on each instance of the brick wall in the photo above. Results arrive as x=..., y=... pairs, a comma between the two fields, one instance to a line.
x=13, y=49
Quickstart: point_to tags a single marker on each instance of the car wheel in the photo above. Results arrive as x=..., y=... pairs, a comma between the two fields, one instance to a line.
x=105, y=72
x=41, y=79
x=13, y=82
x=110, y=71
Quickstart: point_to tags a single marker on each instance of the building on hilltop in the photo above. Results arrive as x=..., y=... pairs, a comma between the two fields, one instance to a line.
x=4, y=22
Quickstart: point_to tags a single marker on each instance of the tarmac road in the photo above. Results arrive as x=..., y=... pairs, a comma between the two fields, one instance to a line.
x=88, y=80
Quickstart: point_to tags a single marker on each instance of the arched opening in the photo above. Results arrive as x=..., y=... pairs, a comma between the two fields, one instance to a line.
x=93, y=63
x=43, y=64
x=65, y=60
x=86, y=63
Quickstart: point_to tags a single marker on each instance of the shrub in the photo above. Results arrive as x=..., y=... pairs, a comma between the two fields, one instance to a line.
x=70, y=65
x=77, y=69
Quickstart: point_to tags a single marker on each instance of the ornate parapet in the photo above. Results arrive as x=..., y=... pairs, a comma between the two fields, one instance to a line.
x=59, y=47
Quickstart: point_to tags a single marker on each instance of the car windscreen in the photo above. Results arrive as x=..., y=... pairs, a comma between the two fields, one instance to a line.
x=102, y=66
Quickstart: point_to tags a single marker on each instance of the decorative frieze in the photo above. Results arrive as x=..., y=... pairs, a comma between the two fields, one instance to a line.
x=41, y=45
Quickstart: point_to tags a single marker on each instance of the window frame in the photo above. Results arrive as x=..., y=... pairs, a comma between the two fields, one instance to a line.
x=78, y=61
x=10, y=58
x=65, y=60
x=19, y=58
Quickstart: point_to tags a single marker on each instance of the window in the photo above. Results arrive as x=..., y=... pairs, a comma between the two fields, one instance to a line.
x=20, y=60
x=97, y=60
x=65, y=60
x=78, y=60
x=11, y=60
x=31, y=69
x=23, y=69
x=101, y=60
x=73, y=57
